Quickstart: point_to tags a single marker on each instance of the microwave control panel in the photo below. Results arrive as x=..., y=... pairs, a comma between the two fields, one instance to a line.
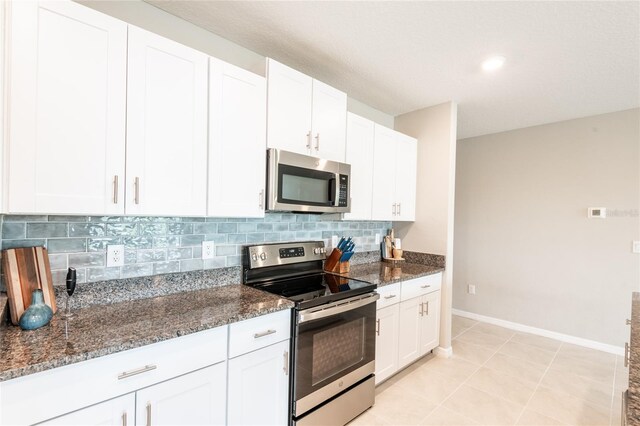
x=343, y=191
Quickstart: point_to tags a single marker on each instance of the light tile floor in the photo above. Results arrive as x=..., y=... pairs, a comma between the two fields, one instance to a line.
x=499, y=376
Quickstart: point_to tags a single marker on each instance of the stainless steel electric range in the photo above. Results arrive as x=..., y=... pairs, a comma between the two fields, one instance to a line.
x=333, y=337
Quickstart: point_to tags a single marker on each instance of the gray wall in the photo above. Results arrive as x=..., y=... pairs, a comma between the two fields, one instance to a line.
x=157, y=245
x=522, y=235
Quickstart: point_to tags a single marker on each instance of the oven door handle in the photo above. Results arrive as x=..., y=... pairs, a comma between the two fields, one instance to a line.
x=338, y=308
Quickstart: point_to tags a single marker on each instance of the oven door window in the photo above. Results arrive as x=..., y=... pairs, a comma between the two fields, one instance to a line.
x=297, y=185
x=331, y=347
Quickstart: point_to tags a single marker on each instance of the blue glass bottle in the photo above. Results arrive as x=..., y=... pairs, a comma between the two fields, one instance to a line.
x=36, y=315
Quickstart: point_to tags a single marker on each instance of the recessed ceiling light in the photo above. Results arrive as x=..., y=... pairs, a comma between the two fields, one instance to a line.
x=493, y=63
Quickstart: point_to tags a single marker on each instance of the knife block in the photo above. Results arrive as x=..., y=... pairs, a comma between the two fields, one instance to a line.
x=342, y=267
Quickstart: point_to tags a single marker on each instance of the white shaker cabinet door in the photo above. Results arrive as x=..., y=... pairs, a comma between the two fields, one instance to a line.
x=166, y=127
x=289, y=100
x=387, y=341
x=114, y=412
x=328, y=122
x=406, y=176
x=409, y=334
x=237, y=144
x=360, y=140
x=383, y=205
x=430, y=322
x=66, y=105
x=196, y=398
x=259, y=387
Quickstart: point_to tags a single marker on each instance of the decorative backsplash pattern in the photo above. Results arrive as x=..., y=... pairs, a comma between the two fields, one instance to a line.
x=159, y=245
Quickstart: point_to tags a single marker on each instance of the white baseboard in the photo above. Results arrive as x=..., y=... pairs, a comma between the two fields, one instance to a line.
x=441, y=352
x=542, y=332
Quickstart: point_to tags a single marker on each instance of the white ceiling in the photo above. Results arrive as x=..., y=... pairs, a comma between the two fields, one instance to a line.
x=564, y=59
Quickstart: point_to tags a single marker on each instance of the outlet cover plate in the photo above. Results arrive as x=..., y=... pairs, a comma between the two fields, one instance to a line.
x=208, y=250
x=471, y=289
x=636, y=247
x=115, y=255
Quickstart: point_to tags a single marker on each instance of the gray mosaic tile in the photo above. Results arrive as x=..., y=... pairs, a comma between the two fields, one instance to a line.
x=168, y=241
x=154, y=255
x=24, y=218
x=234, y=260
x=279, y=227
x=166, y=267
x=59, y=218
x=216, y=262
x=255, y=238
x=138, y=242
x=111, y=219
x=296, y=226
x=247, y=227
x=225, y=250
x=83, y=260
x=67, y=245
x=130, y=256
x=310, y=226
x=217, y=238
x=13, y=230
x=137, y=270
x=100, y=244
x=179, y=228
x=191, y=240
x=87, y=230
x=205, y=228
x=191, y=265
x=302, y=218
x=58, y=261
x=272, y=217
x=197, y=252
x=122, y=229
x=287, y=236
x=101, y=274
x=152, y=229
x=262, y=227
x=47, y=230
x=179, y=253
x=271, y=237
x=236, y=238
x=227, y=228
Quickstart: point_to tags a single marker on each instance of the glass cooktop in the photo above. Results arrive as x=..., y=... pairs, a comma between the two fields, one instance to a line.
x=317, y=289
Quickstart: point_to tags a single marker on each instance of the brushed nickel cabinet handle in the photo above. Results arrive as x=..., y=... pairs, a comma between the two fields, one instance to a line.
x=115, y=189
x=421, y=309
x=425, y=286
x=286, y=363
x=124, y=419
x=393, y=209
x=427, y=308
x=261, y=199
x=626, y=354
x=378, y=326
x=317, y=142
x=136, y=195
x=148, y=414
x=309, y=140
x=144, y=369
x=264, y=333
x=628, y=321
x=399, y=205
x=391, y=296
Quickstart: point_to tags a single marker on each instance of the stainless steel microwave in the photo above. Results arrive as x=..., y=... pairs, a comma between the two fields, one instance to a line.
x=300, y=183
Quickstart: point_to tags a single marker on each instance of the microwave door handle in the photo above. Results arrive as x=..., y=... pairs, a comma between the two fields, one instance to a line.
x=333, y=194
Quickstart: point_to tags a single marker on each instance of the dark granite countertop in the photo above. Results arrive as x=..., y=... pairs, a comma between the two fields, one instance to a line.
x=633, y=401
x=106, y=329
x=385, y=273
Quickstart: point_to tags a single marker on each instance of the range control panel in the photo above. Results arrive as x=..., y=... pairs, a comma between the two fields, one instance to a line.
x=263, y=255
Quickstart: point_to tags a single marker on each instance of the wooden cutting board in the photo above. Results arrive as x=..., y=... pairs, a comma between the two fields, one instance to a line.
x=27, y=269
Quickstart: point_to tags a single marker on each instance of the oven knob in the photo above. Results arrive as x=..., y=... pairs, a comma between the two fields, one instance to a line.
x=263, y=256
x=254, y=257
x=316, y=250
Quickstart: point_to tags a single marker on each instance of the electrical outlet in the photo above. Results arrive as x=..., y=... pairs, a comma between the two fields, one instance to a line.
x=378, y=239
x=636, y=246
x=208, y=250
x=471, y=289
x=334, y=241
x=115, y=255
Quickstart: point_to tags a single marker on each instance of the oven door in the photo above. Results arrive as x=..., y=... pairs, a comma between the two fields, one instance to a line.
x=334, y=349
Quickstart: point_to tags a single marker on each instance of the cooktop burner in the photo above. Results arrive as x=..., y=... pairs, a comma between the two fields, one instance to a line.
x=316, y=289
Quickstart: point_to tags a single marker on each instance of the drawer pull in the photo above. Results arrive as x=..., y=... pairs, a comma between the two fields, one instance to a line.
x=425, y=286
x=124, y=419
x=626, y=354
x=391, y=296
x=286, y=363
x=144, y=369
x=628, y=321
x=264, y=333
x=148, y=414
x=378, y=326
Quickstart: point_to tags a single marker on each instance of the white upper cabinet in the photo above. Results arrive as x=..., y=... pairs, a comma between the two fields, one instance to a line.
x=67, y=110
x=360, y=140
x=304, y=115
x=166, y=127
x=237, y=145
x=394, y=175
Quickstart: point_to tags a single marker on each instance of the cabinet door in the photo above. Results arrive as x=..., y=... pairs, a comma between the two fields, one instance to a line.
x=289, y=100
x=328, y=122
x=384, y=172
x=166, y=127
x=115, y=412
x=195, y=398
x=259, y=387
x=406, y=175
x=387, y=341
x=237, y=145
x=409, y=335
x=67, y=110
x=360, y=139
x=430, y=322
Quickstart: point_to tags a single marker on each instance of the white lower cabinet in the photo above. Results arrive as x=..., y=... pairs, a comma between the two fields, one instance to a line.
x=116, y=411
x=408, y=326
x=259, y=387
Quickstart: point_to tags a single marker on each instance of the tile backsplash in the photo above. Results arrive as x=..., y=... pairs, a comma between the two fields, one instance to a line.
x=158, y=245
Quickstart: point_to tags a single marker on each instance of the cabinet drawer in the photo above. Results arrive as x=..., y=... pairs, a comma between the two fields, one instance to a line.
x=105, y=377
x=256, y=333
x=419, y=286
x=389, y=295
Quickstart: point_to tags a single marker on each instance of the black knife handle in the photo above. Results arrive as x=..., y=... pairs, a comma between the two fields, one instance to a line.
x=71, y=281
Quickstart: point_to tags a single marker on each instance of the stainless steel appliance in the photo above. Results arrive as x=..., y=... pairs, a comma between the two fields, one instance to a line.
x=334, y=337
x=300, y=183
